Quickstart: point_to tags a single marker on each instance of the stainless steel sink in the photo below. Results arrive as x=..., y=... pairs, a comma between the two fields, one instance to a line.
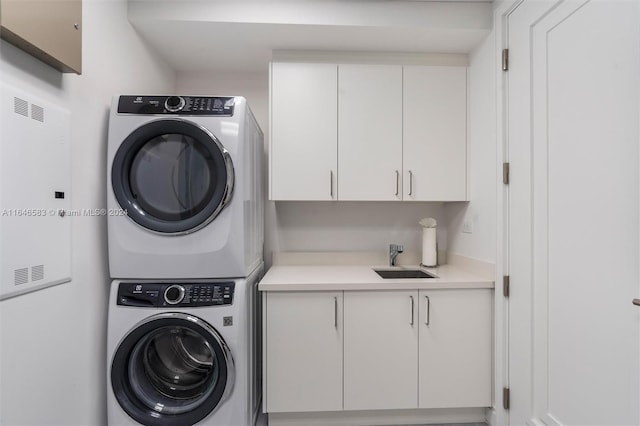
x=402, y=273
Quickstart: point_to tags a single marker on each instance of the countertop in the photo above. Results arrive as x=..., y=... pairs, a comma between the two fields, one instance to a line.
x=363, y=277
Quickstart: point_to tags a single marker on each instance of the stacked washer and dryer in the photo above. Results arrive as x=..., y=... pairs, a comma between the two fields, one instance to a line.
x=185, y=233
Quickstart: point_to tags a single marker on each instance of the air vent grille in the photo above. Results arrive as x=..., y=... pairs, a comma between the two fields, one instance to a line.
x=37, y=113
x=21, y=276
x=20, y=106
x=37, y=273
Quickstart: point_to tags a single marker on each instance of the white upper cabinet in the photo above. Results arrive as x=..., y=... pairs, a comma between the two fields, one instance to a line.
x=435, y=133
x=303, y=145
x=370, y=132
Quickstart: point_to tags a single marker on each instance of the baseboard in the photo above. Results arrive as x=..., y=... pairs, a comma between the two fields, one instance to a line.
x=379, y=417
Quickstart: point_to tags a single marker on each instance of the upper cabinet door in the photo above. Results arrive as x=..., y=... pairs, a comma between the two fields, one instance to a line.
x=303, y=145
x=49, y=30
x=435, y=133
x=370, y=132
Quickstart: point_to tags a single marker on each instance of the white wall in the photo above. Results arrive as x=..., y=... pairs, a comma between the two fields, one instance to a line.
x=318, y=226
x=481, y=210
x=53, y=367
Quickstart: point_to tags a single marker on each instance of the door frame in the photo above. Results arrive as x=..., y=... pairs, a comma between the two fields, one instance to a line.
x=499, y=415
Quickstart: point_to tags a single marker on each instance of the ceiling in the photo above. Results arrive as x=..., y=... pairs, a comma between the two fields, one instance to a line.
x=240, y=35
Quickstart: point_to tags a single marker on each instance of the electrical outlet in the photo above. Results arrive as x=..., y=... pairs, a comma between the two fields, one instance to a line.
x=467, y=227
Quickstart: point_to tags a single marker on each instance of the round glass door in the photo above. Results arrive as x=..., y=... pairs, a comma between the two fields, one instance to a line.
x=172, y=176
x=171, y=369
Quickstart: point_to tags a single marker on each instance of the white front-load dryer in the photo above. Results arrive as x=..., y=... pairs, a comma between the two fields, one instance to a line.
x=184, y=187
x=183, y=353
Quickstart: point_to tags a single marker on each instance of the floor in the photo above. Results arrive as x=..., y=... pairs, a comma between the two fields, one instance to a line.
x=448, y=424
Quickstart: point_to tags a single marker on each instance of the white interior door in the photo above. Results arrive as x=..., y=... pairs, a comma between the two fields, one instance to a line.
x=573, y=135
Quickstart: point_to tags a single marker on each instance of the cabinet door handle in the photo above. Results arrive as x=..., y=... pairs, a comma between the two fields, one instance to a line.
x=397, y=183
x=335, y=312
x=411, y=322
x=636, y=302
x=410, y=183
x=331, y=183
x=428, y=310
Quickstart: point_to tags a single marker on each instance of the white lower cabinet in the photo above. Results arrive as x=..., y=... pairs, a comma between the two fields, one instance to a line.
x=303, y=351
x=380, y=350
x=455, y=348
x=374, y=350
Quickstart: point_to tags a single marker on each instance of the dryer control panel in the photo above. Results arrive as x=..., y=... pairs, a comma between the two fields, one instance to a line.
x=177, y=105
x=166, y=295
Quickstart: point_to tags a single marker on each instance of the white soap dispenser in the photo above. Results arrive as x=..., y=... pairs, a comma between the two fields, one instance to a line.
x=429, y=242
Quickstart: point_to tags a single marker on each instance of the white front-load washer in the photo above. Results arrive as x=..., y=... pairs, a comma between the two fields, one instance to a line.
x=184, y=187
x=183, y=353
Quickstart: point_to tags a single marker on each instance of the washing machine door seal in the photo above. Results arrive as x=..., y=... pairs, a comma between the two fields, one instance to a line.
x=171, y=369
x=172, y=176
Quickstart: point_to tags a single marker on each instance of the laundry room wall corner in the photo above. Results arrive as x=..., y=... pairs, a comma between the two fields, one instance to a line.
x=53, y=341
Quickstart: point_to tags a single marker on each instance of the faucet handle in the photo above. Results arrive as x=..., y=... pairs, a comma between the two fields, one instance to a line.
x=394, y=251
x=396, y=248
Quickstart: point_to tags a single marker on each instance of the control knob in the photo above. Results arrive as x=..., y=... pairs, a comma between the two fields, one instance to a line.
x=174, y=294
x=174, y=103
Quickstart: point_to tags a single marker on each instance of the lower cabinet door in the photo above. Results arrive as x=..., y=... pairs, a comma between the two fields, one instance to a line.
x=303, y=351
x=380, y=350
x=455, y=348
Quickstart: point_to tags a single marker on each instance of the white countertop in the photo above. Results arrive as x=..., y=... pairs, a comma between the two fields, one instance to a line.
x=363, y=277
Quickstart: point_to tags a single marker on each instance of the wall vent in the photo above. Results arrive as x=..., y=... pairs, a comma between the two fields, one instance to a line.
x=20, y=106
x=21, y=276
x=37, y=113
x=37, y=273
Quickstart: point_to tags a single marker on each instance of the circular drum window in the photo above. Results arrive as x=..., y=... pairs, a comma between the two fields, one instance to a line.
x=172, y=176
x=171, y=370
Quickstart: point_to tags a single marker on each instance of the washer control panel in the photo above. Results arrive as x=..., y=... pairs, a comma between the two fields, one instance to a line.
x=180, y=105
x=162, y=295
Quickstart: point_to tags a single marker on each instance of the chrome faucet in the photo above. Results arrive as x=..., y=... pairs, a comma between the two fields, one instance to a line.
x=394, y=251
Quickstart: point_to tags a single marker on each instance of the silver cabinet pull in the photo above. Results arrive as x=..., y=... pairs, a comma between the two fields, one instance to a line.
x=397, y=183
x=428, y=309
x=410, y=183
x=331, y=183
x=411, y=322
x=636, y=302
x=335, y=312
